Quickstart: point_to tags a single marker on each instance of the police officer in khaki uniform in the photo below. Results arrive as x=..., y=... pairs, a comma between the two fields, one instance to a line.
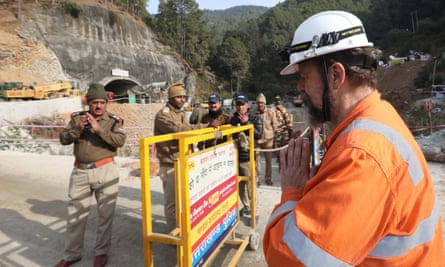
x=96, y=134
x=172, y=119
x=270, y=128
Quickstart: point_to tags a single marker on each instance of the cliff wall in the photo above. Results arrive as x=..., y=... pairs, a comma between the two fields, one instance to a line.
x=87, y=47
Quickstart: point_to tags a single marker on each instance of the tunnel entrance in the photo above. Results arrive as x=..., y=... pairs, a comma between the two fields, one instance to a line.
x=120, y=87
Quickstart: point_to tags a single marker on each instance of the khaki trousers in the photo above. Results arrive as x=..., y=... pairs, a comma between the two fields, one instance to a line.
x=243, y=186
x=103, y=183
x=167, y=174
x=268, y=157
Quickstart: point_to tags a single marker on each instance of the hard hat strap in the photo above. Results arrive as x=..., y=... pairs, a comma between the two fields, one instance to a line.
x=326, y=104
x=362, y=61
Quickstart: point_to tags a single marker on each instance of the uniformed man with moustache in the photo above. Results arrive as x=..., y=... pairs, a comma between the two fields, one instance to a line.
x=96, y=135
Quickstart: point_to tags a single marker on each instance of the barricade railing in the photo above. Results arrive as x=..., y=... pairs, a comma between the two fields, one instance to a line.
x=206, y=194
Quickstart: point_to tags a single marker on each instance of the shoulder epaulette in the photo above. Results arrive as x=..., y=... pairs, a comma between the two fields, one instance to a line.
x=77, y=113
x=117, y=118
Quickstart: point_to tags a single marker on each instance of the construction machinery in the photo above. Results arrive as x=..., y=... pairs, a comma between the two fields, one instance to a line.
x=62, y=89
x=17, y=91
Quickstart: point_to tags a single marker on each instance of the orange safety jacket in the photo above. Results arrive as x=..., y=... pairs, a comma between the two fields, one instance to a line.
x=371, y=203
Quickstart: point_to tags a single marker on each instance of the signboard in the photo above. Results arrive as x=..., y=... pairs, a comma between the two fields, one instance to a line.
x=428, y=105
x=213, y=199
x=119, y=72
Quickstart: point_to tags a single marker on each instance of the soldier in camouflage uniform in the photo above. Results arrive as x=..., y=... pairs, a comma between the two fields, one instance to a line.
x=284, y=125
x=96, y=134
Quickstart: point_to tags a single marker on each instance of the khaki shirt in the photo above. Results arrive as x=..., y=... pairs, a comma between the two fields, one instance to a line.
x=224, y=118
x=171, y=120
x=90, y=147
x=270, y=125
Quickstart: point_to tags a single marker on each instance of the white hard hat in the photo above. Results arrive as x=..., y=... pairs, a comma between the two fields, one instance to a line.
x=325, y=33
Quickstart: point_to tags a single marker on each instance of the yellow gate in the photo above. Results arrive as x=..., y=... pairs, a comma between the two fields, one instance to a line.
x=207, y=209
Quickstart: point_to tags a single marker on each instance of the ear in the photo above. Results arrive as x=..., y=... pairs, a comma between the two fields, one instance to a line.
x=338, y=74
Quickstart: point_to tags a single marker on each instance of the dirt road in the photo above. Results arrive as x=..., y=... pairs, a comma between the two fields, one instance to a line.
x=33, y=194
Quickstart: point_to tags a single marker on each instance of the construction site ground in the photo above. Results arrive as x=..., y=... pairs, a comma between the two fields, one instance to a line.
x=33, y=194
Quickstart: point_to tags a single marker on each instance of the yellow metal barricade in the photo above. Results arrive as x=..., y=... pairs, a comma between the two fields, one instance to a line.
x=206, y=193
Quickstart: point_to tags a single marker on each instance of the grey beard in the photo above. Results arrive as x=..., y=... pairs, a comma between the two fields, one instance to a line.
x=316, y=117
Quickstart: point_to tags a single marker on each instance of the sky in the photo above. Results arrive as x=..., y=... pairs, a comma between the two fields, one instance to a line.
x=219, y=4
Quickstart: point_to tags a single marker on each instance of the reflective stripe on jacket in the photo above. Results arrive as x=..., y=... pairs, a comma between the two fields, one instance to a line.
x=371, y=203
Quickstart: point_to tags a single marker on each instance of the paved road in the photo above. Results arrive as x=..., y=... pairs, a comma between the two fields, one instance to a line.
x=33, y=194
x=33, y=197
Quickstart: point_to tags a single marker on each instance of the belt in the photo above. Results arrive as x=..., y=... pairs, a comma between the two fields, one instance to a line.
x=92, y=165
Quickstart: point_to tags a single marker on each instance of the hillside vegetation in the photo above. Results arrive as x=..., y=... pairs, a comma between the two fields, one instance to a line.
x=236, y=50
x=241, y=44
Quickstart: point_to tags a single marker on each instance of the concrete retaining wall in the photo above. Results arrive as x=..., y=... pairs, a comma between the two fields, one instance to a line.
x=17, y=111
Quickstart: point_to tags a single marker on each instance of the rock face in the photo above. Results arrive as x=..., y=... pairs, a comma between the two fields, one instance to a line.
x=98, y=40
x=433, y=146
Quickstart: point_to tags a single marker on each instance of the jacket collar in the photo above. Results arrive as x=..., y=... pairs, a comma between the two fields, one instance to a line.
x=361, y=106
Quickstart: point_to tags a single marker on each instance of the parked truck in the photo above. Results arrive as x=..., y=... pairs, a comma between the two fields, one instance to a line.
x=56, y=90
x=17, y=91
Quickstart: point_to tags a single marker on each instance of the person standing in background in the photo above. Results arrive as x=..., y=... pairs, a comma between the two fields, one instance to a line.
x=284, y=123
x=197, y=113
x=172, y=119
x=215, y=112
x=270, y=129
x=96, y=134
x=284, y=132
x=239, y=118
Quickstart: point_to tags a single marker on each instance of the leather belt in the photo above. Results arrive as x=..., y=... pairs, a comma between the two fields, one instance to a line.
x=92, y=165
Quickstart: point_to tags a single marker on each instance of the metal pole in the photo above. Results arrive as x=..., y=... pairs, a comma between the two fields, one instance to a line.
x=431, y=122
x=434, y=71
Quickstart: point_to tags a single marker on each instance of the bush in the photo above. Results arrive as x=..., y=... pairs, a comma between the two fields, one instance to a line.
x=73, y=9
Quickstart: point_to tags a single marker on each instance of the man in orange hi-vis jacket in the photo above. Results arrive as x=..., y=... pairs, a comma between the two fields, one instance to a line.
x=371, y=201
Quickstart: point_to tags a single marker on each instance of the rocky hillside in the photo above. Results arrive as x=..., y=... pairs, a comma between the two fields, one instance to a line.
x=396, y=83
x=48, y=44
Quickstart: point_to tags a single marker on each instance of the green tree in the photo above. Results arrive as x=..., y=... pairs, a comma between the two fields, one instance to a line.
x=234, y=61
x=180, y=25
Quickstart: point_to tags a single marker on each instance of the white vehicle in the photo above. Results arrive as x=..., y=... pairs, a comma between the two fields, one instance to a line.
x=227, y=105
